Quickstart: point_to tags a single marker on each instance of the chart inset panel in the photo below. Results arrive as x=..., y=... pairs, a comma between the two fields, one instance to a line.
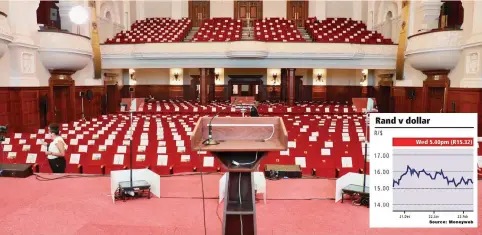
x=423, y=170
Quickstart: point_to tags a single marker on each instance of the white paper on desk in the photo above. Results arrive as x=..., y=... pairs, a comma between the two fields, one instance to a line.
x=195, y=109
x=162, y=160
x=122, y=149
x=346, y=162
x=82, y=148
x=202, y=152
x=161, y=149
x=189, y=133
x=345, y=130
x=213, y=109
x=180, y=143
x=43, y=148
x=270, y=110
x=285, y=153
x=141, y=149
x=111, y=137
x=126, y=142
x=102, y=148
x=312, y=138
x=71, y=132
x=91, y=142
x=79, y=136
x=118, y=159
x=74, y=142
x=144, y=136
x=303, y=130
x=12, y=155
x=64, y=136
x=145, y=129
x=181, y=149
x=177, y=137
x=327, y=110
x=346, y=138
x=208, y=161
x=187, y=129
x=162, y=143
x=359, y=130
x=326, y=152
x=140, y=158
x=331, y=130
x=31, y=158
x=41, y=131
x=185, y=158
x=361, y=138
x=7, y=148
x=289, y=110
x=96, y=156
x=74, y=158
x=39, y=141
x=33, y=136
x=95, y=125
x=233, y=109
x=291, y=144
x=144, y=142
x=160, y=137
x=316, y=133
x=328, y=144
x=301, y=161
x=95, y=136
x=345, y=110
x=109, y=142
x=296, y=124
x=26, y=148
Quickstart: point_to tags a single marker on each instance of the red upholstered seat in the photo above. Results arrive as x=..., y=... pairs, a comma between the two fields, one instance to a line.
x=276, y=30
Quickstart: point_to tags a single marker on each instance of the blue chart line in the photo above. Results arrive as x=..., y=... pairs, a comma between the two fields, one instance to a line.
x=433, y=177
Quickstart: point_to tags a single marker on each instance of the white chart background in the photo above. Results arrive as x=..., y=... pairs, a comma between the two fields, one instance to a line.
x=465, y=166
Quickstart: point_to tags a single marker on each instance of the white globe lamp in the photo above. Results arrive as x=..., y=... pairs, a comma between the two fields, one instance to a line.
x=78, y=15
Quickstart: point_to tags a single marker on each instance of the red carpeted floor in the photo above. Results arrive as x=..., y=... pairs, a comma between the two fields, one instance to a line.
x=83, y=206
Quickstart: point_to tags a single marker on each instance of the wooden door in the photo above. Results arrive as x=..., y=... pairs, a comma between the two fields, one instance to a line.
x=435, y=99
x=298, y=88
x=61, y=97
x=199, y=10
x=248, y=11
x=384, y=99
x=112, y=99
x=297, y=11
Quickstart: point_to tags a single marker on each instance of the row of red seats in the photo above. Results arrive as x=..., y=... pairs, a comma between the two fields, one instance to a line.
x=154, y=30
x=276, y=30
x=219, y=30
x=342, y=30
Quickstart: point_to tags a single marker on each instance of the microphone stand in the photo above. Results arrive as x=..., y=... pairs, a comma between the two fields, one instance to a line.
x=210, y=140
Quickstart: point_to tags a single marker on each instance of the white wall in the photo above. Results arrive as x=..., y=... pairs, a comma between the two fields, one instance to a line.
x=152, y=76
x=5, y=70
x=339, y=9
x=343, y=77
x=157, y=9
x=275, y=8
x=222, y=8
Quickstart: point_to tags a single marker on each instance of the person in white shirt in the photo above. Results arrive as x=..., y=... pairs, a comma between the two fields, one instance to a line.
x=56, y=150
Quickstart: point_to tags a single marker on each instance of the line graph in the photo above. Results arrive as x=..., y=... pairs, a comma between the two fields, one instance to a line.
x=432, y=180
x=413, y=172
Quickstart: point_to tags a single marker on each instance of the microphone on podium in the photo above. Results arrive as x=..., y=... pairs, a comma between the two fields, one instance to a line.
x=210, y=140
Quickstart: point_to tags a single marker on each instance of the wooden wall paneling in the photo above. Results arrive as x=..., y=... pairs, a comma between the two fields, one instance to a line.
x=307, y=92
x=319, y=93
x=466, y=100
x=29, y=103
x=176, y=92
x=407, y=99
x=92, y=108
x=245, y=9
x=15, y=110
x=297, y=11
x=273, y=93
x=4, y=107
x=221, y=92
x=198, y=11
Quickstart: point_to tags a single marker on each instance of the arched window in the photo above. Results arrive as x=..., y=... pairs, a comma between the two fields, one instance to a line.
x=451, y=15
x=388, y=25
x=108, y=16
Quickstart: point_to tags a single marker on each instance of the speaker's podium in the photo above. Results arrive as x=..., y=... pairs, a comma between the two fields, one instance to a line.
x=240, y=143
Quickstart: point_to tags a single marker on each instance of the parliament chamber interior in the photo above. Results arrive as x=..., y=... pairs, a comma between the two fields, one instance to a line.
x=134, y=86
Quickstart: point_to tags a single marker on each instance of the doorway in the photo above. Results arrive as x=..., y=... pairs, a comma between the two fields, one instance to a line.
x=435, y=99
x=199, y=10
x=112, y=98
x=61, y=97
x=248, y=11
x=297, y=12
x=298, y=88
x=384, y=99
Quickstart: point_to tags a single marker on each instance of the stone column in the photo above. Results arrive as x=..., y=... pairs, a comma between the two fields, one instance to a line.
x=431, y=13
x=23, y=51
x=291, y=86
x=203, y=82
